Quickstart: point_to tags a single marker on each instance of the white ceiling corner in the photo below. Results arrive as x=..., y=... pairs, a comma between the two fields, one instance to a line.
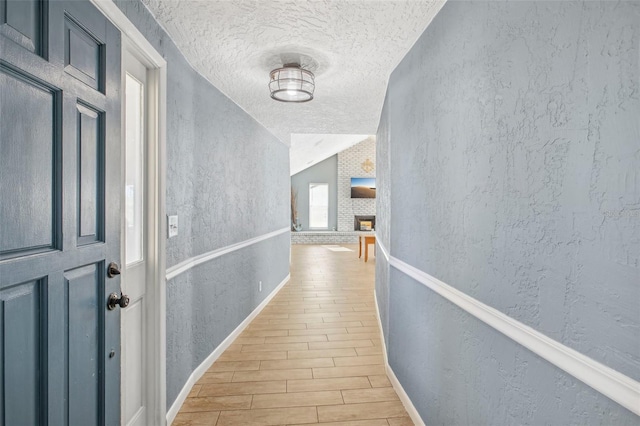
x=310, y=149
x=350, y=45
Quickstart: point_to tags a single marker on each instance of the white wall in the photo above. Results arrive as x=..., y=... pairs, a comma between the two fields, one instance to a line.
x=350, y=165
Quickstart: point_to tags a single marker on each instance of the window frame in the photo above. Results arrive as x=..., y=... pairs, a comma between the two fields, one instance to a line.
x=326, y=184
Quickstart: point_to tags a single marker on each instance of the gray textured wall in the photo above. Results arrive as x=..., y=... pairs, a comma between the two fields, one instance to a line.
x=228, y=181
x=324, y=172
x=514, y=141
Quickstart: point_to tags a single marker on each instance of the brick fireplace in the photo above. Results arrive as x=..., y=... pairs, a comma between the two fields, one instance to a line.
x=358, y=219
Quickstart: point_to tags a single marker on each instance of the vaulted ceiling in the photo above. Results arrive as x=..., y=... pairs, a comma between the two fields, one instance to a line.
x=350, y=45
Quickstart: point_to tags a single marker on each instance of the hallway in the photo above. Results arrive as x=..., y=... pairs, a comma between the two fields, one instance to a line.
x=312, y=356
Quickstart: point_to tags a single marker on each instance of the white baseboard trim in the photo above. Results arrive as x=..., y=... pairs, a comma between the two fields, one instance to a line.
x=397, y=386
x=208, y=362
x=404, y=398
x=620, y=388
x=382, y=341
x=185, y=265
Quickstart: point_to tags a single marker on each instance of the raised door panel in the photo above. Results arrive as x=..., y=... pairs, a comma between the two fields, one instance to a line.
x=90, y=174
x=22, y=22
x=84, y=54
x=29, y=176
x=85, y=311
x=21, y=353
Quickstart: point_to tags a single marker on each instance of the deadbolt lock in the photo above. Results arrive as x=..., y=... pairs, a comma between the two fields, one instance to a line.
x=113, y=269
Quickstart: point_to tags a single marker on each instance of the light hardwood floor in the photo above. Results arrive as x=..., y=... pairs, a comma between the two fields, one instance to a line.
x=312, y=356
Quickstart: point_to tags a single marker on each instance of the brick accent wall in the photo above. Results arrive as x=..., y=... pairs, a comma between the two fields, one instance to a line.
x=350, y=165
x=327, y=237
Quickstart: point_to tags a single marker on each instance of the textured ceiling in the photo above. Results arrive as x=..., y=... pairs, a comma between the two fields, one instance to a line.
x=310, y=149
x=351, y=46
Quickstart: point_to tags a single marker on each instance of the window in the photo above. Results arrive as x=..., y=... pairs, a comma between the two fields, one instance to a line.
x=134, y=170
x=318, y=205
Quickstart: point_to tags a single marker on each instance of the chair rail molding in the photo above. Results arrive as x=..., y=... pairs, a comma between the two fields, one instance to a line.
x=185, y=265
x=620, y=388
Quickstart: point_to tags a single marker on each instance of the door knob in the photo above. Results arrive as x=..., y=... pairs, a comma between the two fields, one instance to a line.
x=115, y=300
x=113, y=269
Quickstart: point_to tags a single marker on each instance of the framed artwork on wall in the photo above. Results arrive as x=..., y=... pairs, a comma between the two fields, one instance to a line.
x=363, y=187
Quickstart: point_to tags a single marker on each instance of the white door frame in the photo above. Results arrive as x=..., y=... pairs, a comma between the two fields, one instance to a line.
x=156, y=161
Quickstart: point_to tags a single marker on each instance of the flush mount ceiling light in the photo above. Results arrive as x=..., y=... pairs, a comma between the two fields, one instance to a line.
x=291, y=83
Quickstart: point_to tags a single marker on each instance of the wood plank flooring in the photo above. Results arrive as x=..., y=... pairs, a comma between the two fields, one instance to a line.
x=313, y=355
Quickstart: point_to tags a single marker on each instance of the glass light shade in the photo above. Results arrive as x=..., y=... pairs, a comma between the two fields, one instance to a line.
x=291, y=84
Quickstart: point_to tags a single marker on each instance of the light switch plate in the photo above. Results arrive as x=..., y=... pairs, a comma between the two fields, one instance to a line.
x=172, y=226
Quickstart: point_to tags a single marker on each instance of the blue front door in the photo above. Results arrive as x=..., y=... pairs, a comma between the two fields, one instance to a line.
x=59, y=214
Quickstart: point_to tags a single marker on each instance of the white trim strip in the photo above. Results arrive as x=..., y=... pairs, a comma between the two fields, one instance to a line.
x=119, y=19
x=184, y=266
x=383, y=249
x=155, y=328
x=397, y=386
x=208, y=362
x=404, y=398
x=382, y=341
x=611, y=383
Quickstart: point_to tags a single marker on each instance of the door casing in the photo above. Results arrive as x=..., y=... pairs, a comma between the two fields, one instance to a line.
x=135, y=41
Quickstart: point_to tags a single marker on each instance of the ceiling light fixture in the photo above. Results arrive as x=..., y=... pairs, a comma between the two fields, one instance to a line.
x=291, y=83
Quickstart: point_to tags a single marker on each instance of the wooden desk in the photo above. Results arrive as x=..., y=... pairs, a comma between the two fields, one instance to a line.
x=368, y=239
